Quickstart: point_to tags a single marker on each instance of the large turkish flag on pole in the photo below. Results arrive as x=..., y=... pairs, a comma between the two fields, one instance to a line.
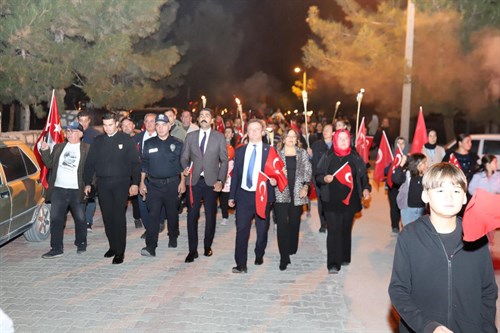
x=362, y=144
x=420, y=136
x=53, y=134
x=384, y=157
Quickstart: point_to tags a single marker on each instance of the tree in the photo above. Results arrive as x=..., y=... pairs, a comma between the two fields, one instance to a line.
x=367, y=51
x=52, y=44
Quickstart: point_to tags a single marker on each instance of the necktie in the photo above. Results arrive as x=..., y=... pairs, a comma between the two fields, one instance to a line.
x=202, y=144
x=251, y=164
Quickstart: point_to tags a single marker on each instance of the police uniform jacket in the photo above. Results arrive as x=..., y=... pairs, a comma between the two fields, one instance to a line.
x=162, y=158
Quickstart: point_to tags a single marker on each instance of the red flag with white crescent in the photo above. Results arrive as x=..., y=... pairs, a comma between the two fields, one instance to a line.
x=274, y=169
x=344, y=176
x=261, y=195
x=53, y=134
x=384, y=157
x=420, y=136
x=453, y=160
x=362, y=146
x=395, y=163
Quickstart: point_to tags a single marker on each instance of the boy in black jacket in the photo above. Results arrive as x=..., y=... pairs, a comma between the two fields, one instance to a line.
x=439, y=282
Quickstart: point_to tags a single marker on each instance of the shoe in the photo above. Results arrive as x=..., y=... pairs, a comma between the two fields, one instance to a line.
x=118, y=259
x=283, y=266
x=259, y=260
x=81, y=249
x=334, y=269
x=395, y=231
x=148, y=252
x=89, y=227
x=208, y=252
x=138, y=223
x=52, y=254
x=109, y=254
x=191, y=256
x=239, y=269
x=162, y=226
x=345, y=263
x=223, y=222
x=143, y=236
x=322, y=230
x=172, y=242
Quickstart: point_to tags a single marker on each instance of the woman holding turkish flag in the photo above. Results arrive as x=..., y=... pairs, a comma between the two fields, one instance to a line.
x=343, y=181
x=289, y=202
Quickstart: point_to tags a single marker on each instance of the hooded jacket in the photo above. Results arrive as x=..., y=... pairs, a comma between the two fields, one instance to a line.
x=428, y=289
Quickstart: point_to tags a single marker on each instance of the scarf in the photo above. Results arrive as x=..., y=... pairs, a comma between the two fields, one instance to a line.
x=429, y=146
x=338, y=151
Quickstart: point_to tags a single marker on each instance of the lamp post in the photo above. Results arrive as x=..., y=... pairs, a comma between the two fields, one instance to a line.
x=304, y=77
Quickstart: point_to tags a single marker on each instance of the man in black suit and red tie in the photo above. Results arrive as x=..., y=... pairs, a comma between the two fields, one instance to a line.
x=249, y=160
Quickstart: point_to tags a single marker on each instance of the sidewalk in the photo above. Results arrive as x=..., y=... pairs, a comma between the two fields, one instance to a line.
x=85, y=293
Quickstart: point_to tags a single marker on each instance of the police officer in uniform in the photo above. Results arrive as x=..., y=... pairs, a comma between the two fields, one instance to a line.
x=161, y=182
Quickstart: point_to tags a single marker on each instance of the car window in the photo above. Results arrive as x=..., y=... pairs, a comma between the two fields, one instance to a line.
x=30, y=166
x=491, y=147
x=475, y=146
x=12, y=163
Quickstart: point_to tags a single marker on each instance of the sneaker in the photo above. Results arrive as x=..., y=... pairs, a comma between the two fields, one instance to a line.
x=81, y=249
x=89, y=227
x=148, y=252
x=395, y=231
x=172, y=242
x=138, y=223
x=224, y=221
x=52, y=254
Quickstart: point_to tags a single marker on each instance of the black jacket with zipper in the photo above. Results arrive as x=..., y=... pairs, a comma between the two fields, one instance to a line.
x=428, y=289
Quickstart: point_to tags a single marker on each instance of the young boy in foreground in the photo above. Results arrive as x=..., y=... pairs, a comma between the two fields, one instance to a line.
x=439, y=282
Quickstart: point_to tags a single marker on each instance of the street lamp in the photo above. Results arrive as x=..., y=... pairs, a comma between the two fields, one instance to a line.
x=304, y=77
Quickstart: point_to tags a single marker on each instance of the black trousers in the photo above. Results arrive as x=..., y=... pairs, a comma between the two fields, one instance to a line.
x=288, y=223
x=321, y=211
x=201, y=191
x=113, y=195
x=224, y=206
x=339, y=237
x=136, y=212
x=245, y=213
x=162, y=194
x=395, y=213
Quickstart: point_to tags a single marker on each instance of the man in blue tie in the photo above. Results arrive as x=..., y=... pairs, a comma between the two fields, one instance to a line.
x=204, y=160
x=249, y=160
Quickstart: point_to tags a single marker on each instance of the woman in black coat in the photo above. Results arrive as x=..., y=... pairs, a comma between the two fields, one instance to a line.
x=343, y=181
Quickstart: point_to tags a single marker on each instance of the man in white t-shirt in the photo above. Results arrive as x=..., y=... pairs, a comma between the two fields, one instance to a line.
x=66, y=161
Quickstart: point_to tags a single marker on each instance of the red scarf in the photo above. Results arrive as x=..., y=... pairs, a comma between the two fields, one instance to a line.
x=341, y=152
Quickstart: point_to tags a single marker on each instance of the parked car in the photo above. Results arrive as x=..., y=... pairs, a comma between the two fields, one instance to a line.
x=22, y=196
x=482, y=144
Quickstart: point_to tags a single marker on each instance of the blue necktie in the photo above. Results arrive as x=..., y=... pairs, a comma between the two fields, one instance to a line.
x=251, y=164
x=202, y=144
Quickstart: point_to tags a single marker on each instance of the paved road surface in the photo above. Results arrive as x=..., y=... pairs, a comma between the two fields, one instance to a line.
x=85, y=293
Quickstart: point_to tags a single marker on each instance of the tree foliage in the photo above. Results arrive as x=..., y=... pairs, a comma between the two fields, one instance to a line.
x=367, y=50
x=47, y=44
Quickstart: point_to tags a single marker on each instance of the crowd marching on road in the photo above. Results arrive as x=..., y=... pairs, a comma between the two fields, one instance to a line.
x=267, y=173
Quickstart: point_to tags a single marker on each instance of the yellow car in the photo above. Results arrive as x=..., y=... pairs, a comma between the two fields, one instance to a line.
x=22, y=196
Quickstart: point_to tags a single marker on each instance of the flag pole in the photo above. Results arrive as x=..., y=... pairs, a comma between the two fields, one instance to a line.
x=47, y=124
x=359, y=98
x=304, y=100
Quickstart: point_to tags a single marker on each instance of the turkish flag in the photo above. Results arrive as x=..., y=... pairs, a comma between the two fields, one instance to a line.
x=344, y=176
x=219, y=125
x=384, y=157
x=482, y=215
x=420, y=136
x=453, y=160
x=395, y=163
x=261, y=195
x=274, y=169
x=53, y=134
x=362, y=146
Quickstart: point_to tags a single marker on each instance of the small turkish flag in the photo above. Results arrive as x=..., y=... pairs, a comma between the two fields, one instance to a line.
x=261, y=195
x=395, y=163
x=344, y=176
x=420, y=136
x=362, y=144
x=453, y=160
x=384, y=157
x=274, y=169
x=482, y=215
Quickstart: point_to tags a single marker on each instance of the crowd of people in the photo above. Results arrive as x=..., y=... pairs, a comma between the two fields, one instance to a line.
x=173, y=163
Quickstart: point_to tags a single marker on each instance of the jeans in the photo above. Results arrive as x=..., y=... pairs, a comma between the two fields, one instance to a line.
x=410, y=214
x=62, y=199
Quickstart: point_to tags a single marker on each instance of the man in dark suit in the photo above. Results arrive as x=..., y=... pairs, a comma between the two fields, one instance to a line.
x=204, y=160
x=249, y=160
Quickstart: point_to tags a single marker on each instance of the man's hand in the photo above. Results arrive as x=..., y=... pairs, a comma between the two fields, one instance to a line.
x=218, y=186
x=43, y=144
x=143, y=189
x=182, y=187
x=231, y=203
x=273, y=182
x=366, y=194
x=186, y=172
x=442, y=329
x=328, y=179
x=133, y=190
x=87, y=190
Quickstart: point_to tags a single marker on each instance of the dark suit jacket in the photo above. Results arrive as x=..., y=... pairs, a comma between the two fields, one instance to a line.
x=138, y=141
x=236, y=178
x=213, y=162
x=51, y=160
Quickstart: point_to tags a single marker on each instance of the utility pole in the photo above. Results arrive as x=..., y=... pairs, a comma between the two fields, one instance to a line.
x=406, y=102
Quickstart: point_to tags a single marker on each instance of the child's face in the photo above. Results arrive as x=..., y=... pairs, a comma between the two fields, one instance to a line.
x=445, y=201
